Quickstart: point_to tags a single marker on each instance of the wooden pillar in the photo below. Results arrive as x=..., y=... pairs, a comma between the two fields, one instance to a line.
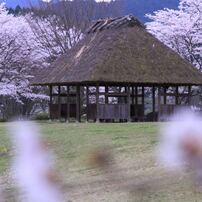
x=189, y=95
x=87, y=102
x=68, y=103
x=143, y=95
x=153, y=103
x=78, y=103
x=159, y=101
x=51, y=101
x=97, y=103
x=128, y=102
x=177, y=96
x=59, y=102
x=164, y=95
x=136, y=101
x=106, y=94
x=136, y=95
x=132, y=95
x=143, y=99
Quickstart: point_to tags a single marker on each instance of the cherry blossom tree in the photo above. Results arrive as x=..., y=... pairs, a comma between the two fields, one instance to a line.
x=180, y=29
x=32, y=41
x=18, y=61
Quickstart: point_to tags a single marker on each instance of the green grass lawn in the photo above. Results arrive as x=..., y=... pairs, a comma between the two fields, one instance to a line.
x=133, y=174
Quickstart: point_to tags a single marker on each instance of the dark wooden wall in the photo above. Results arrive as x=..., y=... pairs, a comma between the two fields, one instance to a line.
x=113, y=111
x=130, y=102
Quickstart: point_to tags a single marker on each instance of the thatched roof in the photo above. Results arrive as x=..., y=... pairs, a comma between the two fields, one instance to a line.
x=120, y=50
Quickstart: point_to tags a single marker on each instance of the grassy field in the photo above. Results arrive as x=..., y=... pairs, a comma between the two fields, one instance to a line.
x=131, y=175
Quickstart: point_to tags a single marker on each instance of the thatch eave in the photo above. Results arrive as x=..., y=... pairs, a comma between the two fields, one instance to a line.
x=120, y=55
x=103, y=83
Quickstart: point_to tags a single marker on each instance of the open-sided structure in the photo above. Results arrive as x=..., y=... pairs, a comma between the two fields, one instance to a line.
x=115, y=71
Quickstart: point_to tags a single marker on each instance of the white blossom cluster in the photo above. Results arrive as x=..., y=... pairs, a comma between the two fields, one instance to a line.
x=180, y=147
x=29, y=43
x=33, y=165
x=180, y=29
x=19, y=57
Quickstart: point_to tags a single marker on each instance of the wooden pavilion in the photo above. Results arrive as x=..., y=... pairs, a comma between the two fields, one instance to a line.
x=113, y=71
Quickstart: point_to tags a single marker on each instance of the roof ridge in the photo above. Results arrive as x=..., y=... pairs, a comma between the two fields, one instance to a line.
x=111, y=23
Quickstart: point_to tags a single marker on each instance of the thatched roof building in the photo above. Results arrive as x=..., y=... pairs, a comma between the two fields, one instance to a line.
x=121, y=50
x=118, y=52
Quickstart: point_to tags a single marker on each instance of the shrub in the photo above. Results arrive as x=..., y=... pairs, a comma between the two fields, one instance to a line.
x=41, y=116
x=2, y=120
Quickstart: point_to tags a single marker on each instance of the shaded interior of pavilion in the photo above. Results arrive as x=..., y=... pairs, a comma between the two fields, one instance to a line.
x=117, y=103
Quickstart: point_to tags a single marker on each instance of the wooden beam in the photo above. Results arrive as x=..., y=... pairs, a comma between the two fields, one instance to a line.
x=118, y=94
x=51, y=101
x=174, y=94
x=64, y=94
x=78, y=102
x=114, y=94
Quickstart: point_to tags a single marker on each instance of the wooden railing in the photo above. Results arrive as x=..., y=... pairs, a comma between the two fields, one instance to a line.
x=113, y=111
x=55, y=113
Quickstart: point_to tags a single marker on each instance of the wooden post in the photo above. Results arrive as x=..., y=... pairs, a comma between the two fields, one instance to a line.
x=159, y=101
x=68, y=108
x=78, y=115
x=97, y=103
x=153, y=102
x=143, y=99
x=87, y=102
x=59, y=102
x=189, y=95
x=51, y=101
x=177, y=96
x=106, y=94
x=136, y=95
x=132, y=95
x=128, y=102
x=164, y=95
